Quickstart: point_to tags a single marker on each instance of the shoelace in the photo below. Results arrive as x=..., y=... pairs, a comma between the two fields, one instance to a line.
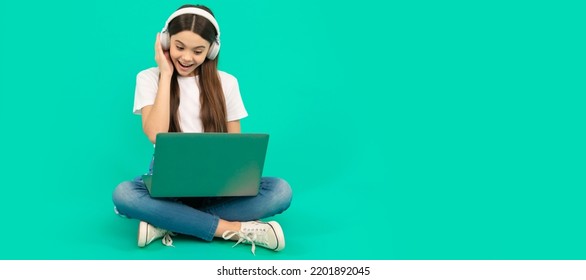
x=243, y=237
x=167, y=240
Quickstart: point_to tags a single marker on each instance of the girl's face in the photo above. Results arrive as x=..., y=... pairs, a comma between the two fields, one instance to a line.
x=188, y=51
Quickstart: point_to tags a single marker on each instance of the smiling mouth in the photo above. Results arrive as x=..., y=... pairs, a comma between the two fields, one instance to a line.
x=183, y=65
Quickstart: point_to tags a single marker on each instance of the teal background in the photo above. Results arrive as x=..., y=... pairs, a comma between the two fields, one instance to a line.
x=408, y=129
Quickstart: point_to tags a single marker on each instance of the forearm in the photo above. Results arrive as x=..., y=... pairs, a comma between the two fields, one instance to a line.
x=157, y=120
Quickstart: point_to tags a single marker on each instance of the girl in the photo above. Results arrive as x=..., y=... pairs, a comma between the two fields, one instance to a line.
x=187, y=93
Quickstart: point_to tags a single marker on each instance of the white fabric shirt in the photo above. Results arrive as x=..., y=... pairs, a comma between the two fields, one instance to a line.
x=147, y=83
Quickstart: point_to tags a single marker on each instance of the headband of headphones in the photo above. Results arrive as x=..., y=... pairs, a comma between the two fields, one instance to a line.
x=214, y=47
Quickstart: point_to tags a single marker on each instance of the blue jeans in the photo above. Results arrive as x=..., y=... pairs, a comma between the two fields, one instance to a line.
x=199, y=217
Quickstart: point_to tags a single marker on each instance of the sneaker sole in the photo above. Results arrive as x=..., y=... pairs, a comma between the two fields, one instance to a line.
x=142, y=238
x=279, y=232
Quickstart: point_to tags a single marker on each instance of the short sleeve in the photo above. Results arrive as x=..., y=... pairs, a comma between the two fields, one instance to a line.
x=146, y=89
x=235, y=109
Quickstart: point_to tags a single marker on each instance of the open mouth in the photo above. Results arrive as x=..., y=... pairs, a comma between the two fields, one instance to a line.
x=184, y=65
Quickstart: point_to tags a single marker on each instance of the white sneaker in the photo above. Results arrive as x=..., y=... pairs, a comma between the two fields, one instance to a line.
x=269, y=235
x=147, y=233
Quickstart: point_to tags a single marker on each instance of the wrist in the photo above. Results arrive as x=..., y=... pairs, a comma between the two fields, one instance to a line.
x=165, y=76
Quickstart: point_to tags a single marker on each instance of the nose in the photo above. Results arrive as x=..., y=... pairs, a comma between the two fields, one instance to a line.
x=187, y=58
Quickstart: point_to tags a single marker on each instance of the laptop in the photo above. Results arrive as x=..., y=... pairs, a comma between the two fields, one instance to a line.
x=207, y=164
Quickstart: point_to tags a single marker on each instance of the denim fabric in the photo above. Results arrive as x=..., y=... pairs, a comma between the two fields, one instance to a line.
x=199, y=217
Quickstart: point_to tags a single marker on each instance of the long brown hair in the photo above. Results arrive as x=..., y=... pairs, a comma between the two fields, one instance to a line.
x=211, y=94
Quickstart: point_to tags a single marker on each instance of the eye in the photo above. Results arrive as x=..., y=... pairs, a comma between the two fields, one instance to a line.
x=179, y=48
x=198, y=52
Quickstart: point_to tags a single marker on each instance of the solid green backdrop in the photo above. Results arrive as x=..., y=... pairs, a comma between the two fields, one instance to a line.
x=407, y=129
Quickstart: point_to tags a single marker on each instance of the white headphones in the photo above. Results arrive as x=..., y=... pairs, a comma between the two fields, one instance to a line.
x=214, y=47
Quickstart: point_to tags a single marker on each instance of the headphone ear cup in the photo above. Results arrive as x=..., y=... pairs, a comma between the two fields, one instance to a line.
x=164, y=39
x=213, y=52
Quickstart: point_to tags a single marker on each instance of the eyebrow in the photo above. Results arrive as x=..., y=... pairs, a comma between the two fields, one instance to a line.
x=202, y=46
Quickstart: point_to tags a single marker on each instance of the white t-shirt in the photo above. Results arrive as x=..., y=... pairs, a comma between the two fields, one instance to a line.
x=147, y=83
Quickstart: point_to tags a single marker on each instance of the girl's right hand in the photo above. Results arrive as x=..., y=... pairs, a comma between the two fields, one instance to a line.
x=162, y=58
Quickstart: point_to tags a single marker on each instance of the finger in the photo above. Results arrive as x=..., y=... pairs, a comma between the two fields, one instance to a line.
x=158, y=48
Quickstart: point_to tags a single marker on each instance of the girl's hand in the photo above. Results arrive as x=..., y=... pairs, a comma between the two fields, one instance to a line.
x=162, y=58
